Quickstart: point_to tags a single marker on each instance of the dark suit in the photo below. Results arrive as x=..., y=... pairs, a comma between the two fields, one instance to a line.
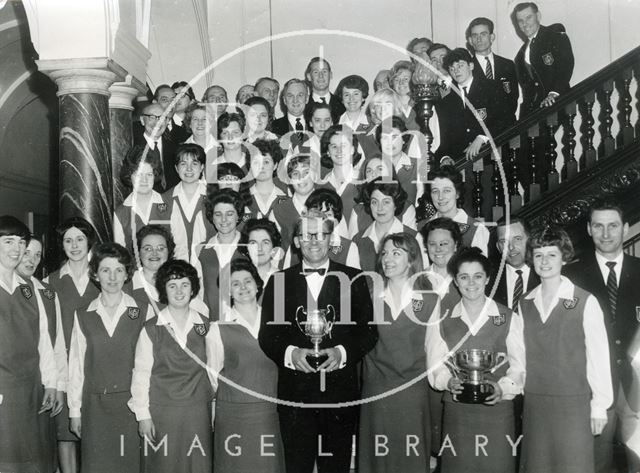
x=178, y=133
x=504, y=73
x=301, y=426
x=168, y=168
x=458, y=125
x=501, y=294
x=337, y=108
x=586, y=274
x=281, y=127
x=550, y=70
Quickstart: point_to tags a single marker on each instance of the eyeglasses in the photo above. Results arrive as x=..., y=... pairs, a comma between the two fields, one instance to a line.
x=153, y=117
x=320, y=236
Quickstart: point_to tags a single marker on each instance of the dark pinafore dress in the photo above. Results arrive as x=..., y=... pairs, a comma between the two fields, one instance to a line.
x=180, y=402
x=70, y=301
x=556, y=419
x=241, y=417
x=462, y=423
x=397, y=359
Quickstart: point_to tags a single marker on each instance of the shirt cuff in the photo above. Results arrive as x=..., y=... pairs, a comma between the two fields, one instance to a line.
x=288, y=362
x=555, y=94
x=74, y=413
x=509, y=388
x=442, y=380
x=483, y=138
x=343, y=357
x=143, y=414
x=62, y=386
x=598, y=412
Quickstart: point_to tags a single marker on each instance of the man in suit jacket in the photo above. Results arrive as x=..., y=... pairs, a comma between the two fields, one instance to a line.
x=461, y=134
x=544, y=63
x=512, y=241
x=160, y=146
x=313, y=284
x=318, y=75
x=612, y=277
x=295, y=95
x=480, y=37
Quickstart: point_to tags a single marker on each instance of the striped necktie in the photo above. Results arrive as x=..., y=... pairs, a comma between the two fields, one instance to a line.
x=518, y=289
x=488, y=70
x=612, y=288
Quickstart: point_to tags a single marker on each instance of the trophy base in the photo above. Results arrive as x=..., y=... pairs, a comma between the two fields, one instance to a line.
x=316, y=360
x=474, y=393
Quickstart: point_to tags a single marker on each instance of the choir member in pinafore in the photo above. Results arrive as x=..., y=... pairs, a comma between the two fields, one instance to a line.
x=477, y=322
x=385, y=202
x=446, y=190
x=223, y=210
x=400, y=81
x=340, y=155
x=101, y=359
x=233, y=353
x=171, y=394
x=441, y=240
x=189, y=226
x=568, y=385
x=302, y=177
x=264, y=192
x=143, y=205
x=398, y=358
x=353, y=90
x=231, y=176
x=262, y=243
x=198, y=123
x=231, y=127
x=26, y=269
x=155, y=247
x=371, y=169
x=27, y=362
x=258, y=117
x=319, y=117
x=75, y=290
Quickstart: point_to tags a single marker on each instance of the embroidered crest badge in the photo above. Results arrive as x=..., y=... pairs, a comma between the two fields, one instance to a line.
x=49, y=294
x=464, y=227
x=336, y=249
x=570, y=303
x=499, y=319
x=547, y=59
x=638, y=313
x=281, y=200
x=162, y=207
x=417, y=305
x=201, y=329
x=482, y=113
x=406, y=167
x=133, y=313
x=506, y=86
x=26, y=291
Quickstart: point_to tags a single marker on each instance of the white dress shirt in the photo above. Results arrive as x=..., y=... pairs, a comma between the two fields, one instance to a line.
x=512, y=277
x=79, y=282
x=596, y=343
x=264, y=205
x=178, y=228
x=604, y=269
x=143, y=213
x=437, y=350
x=482, y=60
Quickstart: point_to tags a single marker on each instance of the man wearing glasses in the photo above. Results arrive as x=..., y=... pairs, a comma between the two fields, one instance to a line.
x=158, y=144
x=317, y=434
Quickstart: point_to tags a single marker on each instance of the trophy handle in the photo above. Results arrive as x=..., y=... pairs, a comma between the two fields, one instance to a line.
x=298, y=310
x=501, y=359
x=330, y=310
x=452, y=366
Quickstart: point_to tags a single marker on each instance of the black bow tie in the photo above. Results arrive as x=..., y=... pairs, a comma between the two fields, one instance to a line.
x=320, y=271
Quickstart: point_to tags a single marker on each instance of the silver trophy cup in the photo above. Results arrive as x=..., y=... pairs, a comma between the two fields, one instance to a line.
x=316, y=324
x=470, y=366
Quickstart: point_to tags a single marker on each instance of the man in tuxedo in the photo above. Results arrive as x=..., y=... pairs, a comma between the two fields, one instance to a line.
x=318, y=75
x=461, y=134
x=317, y=434
x=480, y=38
x=544, y=63
x=517, y=277
x=159, y=145
x=437, y=52
x=613, y=277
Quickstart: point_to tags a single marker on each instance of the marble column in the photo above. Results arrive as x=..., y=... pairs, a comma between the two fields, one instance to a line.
x=85, y=182
x=120, y=115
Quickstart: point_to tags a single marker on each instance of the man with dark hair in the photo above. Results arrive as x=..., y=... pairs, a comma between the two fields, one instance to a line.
x=461, y=133
x=318, y=75
x=544, y=64
x=480, y=37
x=177, y=129
x=418, y=47
x=517, y=277
x=318, y=434
x=268, y=88
x=612, y=277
